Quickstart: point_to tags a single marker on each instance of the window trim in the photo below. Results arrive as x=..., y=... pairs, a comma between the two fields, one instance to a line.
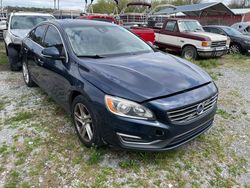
x=49, y=24
x=64, y=46
x=175, y=27
x=43, y=34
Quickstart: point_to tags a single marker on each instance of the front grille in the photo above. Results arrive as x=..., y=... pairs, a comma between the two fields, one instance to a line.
x=218, y=44
x=191, y=112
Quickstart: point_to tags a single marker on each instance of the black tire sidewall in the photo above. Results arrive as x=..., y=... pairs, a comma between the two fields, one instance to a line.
x=189, y=48
x=13, y=59
x=96, y=141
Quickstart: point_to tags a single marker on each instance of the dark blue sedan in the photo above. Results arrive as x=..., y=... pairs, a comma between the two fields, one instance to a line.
x=118, y=89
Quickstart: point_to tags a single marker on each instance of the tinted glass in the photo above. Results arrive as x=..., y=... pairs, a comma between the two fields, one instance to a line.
x=53, y=39
x=171, y=26
x=217, y=31
x=105, y=40
x=37, y=34
x=27, y=22
x=232, y=31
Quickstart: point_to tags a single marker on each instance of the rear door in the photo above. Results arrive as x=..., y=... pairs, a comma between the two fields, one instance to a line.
x=33, y=46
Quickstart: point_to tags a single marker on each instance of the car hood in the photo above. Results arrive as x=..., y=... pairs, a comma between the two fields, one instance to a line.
x=143, y=77
x=21, y=33
x=212, y=36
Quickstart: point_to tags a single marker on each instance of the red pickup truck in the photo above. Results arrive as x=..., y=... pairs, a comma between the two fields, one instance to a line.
x=188, y=37
x=147, y=34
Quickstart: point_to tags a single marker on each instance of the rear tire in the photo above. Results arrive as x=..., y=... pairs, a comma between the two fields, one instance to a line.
x=26, y=76
x=86, y=122
x=13, y=59
x=189, y=53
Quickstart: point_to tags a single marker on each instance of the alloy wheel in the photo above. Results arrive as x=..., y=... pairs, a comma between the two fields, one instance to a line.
x=26, y=73
x=83, y=122
x=234, y=49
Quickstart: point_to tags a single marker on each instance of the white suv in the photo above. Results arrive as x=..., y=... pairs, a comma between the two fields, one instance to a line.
x=18, y=26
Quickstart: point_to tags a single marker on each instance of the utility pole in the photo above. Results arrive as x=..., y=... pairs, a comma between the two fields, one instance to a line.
x=1, y=7
x=58, y=3
x=54, y=4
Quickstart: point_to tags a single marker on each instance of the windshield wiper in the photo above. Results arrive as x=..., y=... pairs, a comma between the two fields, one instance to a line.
x=92, y=56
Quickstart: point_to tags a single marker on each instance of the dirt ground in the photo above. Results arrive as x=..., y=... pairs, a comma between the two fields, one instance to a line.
x=39, y=147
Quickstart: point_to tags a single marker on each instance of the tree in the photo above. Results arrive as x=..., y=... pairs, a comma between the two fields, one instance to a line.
x=239, y=4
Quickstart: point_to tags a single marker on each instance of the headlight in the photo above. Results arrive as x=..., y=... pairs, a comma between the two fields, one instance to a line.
x=205, y=43
x=247, y=41
x=126, y=108
x=228, y=41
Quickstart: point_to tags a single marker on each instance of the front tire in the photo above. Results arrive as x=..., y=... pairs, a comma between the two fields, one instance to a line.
x=235, y=49
x=86, y=122
x=13, y=59
x=26, y=76
x=189, y=53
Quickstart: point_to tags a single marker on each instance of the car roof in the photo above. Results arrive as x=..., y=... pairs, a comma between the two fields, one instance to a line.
x=218, y=26
x=30, y=14
x=181, y=19
x=79, y=22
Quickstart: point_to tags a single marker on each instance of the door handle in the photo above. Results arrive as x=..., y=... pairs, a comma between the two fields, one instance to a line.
x=25, y=49
x=40, y=61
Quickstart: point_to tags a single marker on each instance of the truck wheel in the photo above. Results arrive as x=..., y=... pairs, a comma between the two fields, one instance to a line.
x=189, y=53
x=235, y=49
x=13, y=59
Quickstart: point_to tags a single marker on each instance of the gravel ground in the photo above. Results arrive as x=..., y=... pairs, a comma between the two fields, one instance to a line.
x=39, y=147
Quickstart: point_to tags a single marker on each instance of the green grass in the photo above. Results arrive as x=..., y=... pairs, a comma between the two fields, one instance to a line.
x=21, y=116
x=95, y=156
x=3, y=58
x=224, y=114
x=13, y=180
x=207, y=63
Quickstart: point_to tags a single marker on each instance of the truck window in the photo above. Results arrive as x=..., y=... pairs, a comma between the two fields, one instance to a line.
x=171, y=26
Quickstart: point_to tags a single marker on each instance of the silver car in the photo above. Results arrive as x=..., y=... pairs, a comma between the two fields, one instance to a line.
x=243, y=27
x=18, y=26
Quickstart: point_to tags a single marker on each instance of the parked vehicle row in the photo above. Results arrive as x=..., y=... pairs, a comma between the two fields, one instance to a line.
x=118, y=89
x=239, y=43
x=19, y=24
x=188, y=38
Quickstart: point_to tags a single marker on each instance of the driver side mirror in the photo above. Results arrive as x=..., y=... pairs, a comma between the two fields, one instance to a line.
x=52, y=53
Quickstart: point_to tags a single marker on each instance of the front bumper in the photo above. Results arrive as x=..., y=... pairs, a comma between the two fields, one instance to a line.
x=161, y=134
x=215, y=52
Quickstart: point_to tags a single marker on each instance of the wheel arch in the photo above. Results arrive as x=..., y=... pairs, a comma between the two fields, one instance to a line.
x=185, y=45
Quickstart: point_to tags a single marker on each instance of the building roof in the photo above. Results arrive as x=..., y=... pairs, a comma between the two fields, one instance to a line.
x=240, y=11
x=202, y=9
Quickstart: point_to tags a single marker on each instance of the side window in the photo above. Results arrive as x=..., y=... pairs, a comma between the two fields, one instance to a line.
x=53, y=39
x=38, y=33
x=207, y=29
x=171, y=26
x=217, y=31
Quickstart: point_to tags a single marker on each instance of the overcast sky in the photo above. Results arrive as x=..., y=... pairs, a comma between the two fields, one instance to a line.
x=65, y=4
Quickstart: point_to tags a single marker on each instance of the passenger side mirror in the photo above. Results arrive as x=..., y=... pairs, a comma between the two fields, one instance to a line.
x=52, y=53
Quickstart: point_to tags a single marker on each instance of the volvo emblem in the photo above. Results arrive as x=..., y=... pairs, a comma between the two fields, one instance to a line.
x=200, y=108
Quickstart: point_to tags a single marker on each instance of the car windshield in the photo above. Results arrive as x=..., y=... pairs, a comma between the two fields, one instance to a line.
x=232, y=31
x=96, y=41
x=27, y=22
x=192, y=26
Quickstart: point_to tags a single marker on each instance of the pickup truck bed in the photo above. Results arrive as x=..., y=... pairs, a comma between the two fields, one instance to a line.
x=146, y=34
